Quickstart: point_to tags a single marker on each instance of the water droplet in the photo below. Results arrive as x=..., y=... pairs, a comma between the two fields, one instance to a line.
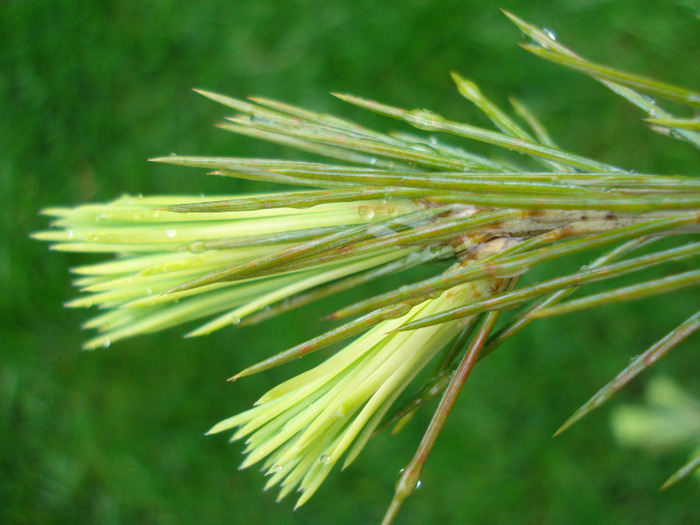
x=419, y=483
x=197, y=247
x=173, y=155
x=106, y=343
x=434, y=249
x=325, y=458
x=551, y=34
x=276, y=468
x=235, y=320
x=170, y=233
x=70, y=234
x=422, y=148
x=433, y=141
x=366, y=212
x=373, y=161
x=257, y=118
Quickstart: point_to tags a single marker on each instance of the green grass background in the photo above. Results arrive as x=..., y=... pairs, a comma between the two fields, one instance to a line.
x=89, y=90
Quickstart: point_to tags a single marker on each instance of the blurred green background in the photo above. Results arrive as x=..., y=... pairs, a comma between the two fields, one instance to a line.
x=89, y=90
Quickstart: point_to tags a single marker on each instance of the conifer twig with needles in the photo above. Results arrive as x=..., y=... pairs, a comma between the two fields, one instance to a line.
x=384, y=204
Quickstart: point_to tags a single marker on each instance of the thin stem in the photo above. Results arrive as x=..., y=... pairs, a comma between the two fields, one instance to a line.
x=411, y=473
x=522, y=320
x=683, y=472
x=636, y=366
x=650, y=288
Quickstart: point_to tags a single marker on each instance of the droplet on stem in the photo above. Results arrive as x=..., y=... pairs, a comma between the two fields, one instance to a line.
x=366, y=212
x=551, y=34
